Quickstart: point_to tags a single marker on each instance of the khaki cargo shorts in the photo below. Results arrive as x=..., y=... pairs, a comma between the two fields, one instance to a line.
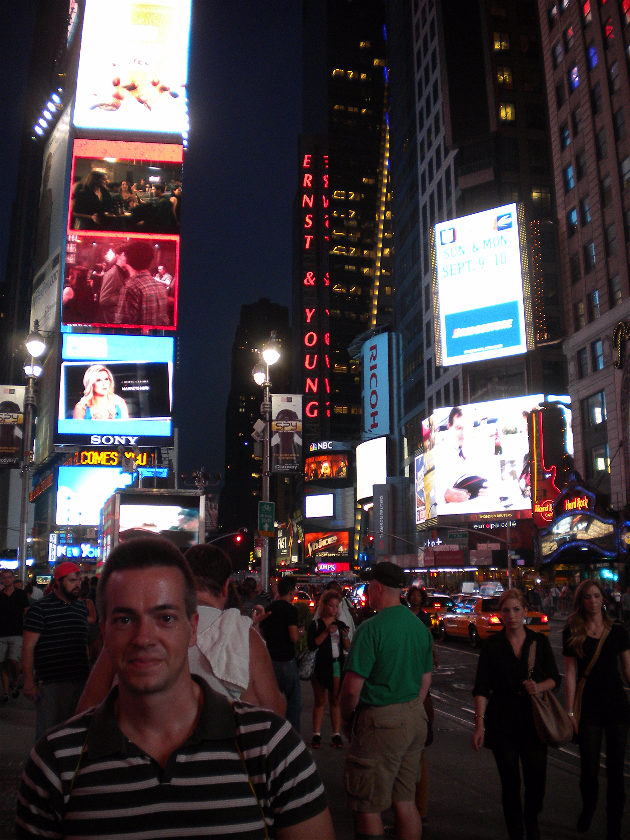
x=383, y=762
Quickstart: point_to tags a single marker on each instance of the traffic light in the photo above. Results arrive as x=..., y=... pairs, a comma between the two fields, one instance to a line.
x=238, y=539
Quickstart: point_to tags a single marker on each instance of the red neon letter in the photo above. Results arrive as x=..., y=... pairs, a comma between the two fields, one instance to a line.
x=310, y=339
x=310, y=361
x=311, y=409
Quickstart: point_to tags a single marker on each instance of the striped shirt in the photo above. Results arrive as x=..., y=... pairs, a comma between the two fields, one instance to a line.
x=86, y=779
x=61, y=650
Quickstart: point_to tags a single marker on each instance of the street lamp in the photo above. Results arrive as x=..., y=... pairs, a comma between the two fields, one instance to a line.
x=36, y=347
x=270, y=354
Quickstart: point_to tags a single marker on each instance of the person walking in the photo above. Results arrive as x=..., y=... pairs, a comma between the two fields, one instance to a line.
x=386, y=678
x=280, y=631
x=330, y=637
x=595, y=649
x=503, y=713
x=13, y=604
x=55, y=649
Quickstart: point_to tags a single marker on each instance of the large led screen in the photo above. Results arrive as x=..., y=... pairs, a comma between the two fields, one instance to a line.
x=371, y=466
x=319, y=506
x=179, y=523
x=126, y=186
x=326, y=544
x=325, y=467
x=477, y=458
x=115, y=389
x=119, y=280
x=134, y=66
x=479, y=287
x=82, y=492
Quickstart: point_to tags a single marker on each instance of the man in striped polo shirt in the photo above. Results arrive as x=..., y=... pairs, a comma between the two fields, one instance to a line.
x=54, y=649
x=164, y=756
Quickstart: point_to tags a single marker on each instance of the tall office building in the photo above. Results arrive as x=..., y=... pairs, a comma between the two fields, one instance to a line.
x=242, y=489
x=586, y=47
x=343, y=284
x=468, y=134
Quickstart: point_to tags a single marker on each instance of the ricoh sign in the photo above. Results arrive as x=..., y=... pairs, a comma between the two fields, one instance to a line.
x=375, y=354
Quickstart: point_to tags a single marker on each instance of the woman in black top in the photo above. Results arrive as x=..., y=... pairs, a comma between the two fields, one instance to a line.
x=329, y=637
x=604, y=707
x=503, y=714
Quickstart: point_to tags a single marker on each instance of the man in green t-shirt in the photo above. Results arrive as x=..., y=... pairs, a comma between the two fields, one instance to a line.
x=387, y=676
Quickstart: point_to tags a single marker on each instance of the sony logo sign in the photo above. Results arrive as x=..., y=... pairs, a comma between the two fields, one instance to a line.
x=113, y=440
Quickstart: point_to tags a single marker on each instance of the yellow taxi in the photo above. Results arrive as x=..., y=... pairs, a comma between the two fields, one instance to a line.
x=477, y=617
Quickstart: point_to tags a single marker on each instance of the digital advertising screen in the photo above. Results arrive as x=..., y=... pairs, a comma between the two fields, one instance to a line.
x=126, y=186
x=11, y=424
x=115, y=389
x=478, y=458
x=421, y=505
x=120, y=281
x=177, y=521
x=326, y=544
x=133, y=67
x=324, y=467
x=82, y=492
x=371, y=466
x=480, y=281
x=319, y=506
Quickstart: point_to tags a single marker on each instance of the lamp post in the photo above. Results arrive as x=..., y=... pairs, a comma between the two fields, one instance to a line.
x=269, y=356
x=36, y=347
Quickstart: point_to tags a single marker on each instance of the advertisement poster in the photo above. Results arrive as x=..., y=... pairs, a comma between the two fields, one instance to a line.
x=478, y=456
x=133, y=66
x=45, y=298
x=375, y=367
x=115, y=389
x=480, y=287
x=11, y=424
x=286, y=433
x=421, y=505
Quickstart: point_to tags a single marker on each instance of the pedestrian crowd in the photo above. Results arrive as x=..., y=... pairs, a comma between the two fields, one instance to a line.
x=168, y=702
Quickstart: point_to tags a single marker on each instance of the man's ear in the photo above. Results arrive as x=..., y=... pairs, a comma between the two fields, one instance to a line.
x=224, y=590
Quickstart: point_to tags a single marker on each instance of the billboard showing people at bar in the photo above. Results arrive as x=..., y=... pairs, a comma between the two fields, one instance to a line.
x=115, y=389
x=122, y=281
x=480, y=281
x=133, y=67
x=286, y=433
x=126, y=186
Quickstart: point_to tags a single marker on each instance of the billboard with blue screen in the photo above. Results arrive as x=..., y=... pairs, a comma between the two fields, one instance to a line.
x=115, y=389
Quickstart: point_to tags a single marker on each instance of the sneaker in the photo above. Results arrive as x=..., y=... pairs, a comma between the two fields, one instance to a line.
x=316, y=742
x=337, y=742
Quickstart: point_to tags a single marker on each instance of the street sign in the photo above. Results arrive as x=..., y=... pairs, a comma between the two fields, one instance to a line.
x=266, y=519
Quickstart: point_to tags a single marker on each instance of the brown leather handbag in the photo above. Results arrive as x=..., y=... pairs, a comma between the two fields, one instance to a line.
x=552, y=723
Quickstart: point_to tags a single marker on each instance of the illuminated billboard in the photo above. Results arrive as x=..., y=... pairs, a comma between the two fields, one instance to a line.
x=120, y=280
x=479, y=285
x=82, y=492
x=319, y=505
x=371, y=466
x=115, y=389
x=126, y=186
x=375, y=367
x=325, y=467
x=477, y=458
x=326, y=544
x=11, y=424
x=133, y=67
x=286, y=433
x=421, y=505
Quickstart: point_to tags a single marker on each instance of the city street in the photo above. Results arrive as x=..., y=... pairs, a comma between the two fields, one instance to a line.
x=464, y=786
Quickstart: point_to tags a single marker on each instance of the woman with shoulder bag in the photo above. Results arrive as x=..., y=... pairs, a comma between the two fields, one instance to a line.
x=330, y=638
x=503, y=712
x=594, y=646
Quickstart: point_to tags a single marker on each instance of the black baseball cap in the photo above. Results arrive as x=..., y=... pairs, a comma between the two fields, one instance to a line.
x=389, y=574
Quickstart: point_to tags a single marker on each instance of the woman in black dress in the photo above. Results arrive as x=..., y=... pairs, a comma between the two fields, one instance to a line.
x=329, y=637
x=503, y=712
x=604, y=707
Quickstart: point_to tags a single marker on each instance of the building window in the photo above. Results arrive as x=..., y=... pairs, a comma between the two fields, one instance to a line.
x=614, y=289
x=565, y=136
x=575, y=268
x=624, y=171
x=569, y=179
x=507, y=112
x=619, y=123
x=557, y=53
x=580, y=165
x=582, y=363
x=594, y=410
x=574, y=77
x=589, y=256
x=576, y=121
x=578, y=316
x=606, y=189
x=609, y=32
x=561, y=95
x=625, y=8
x=592, y=56
x=585, y=210
x=586, y=11
x=611, y=240
x=501, y=41
x=593, y=306
x=597, y=355
x=504, y=76
x=615, y=80
x=552, y=14
x=429, y=372
x=596, y=98
x=569, y=37
x=600, y=461
x=572, y=221
x=600, y=144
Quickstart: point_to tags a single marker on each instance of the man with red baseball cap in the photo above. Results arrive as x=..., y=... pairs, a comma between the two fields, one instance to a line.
x=54, y=649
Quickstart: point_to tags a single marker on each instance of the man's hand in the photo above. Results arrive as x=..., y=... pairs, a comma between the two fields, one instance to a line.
x=30, y=690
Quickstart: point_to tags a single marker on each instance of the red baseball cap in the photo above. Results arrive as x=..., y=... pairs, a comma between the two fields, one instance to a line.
x=65, y=568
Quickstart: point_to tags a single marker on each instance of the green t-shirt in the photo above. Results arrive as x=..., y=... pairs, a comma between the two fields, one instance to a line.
x=391, y=651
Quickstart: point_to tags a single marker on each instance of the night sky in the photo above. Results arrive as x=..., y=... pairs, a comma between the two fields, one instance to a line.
x=239, y=184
